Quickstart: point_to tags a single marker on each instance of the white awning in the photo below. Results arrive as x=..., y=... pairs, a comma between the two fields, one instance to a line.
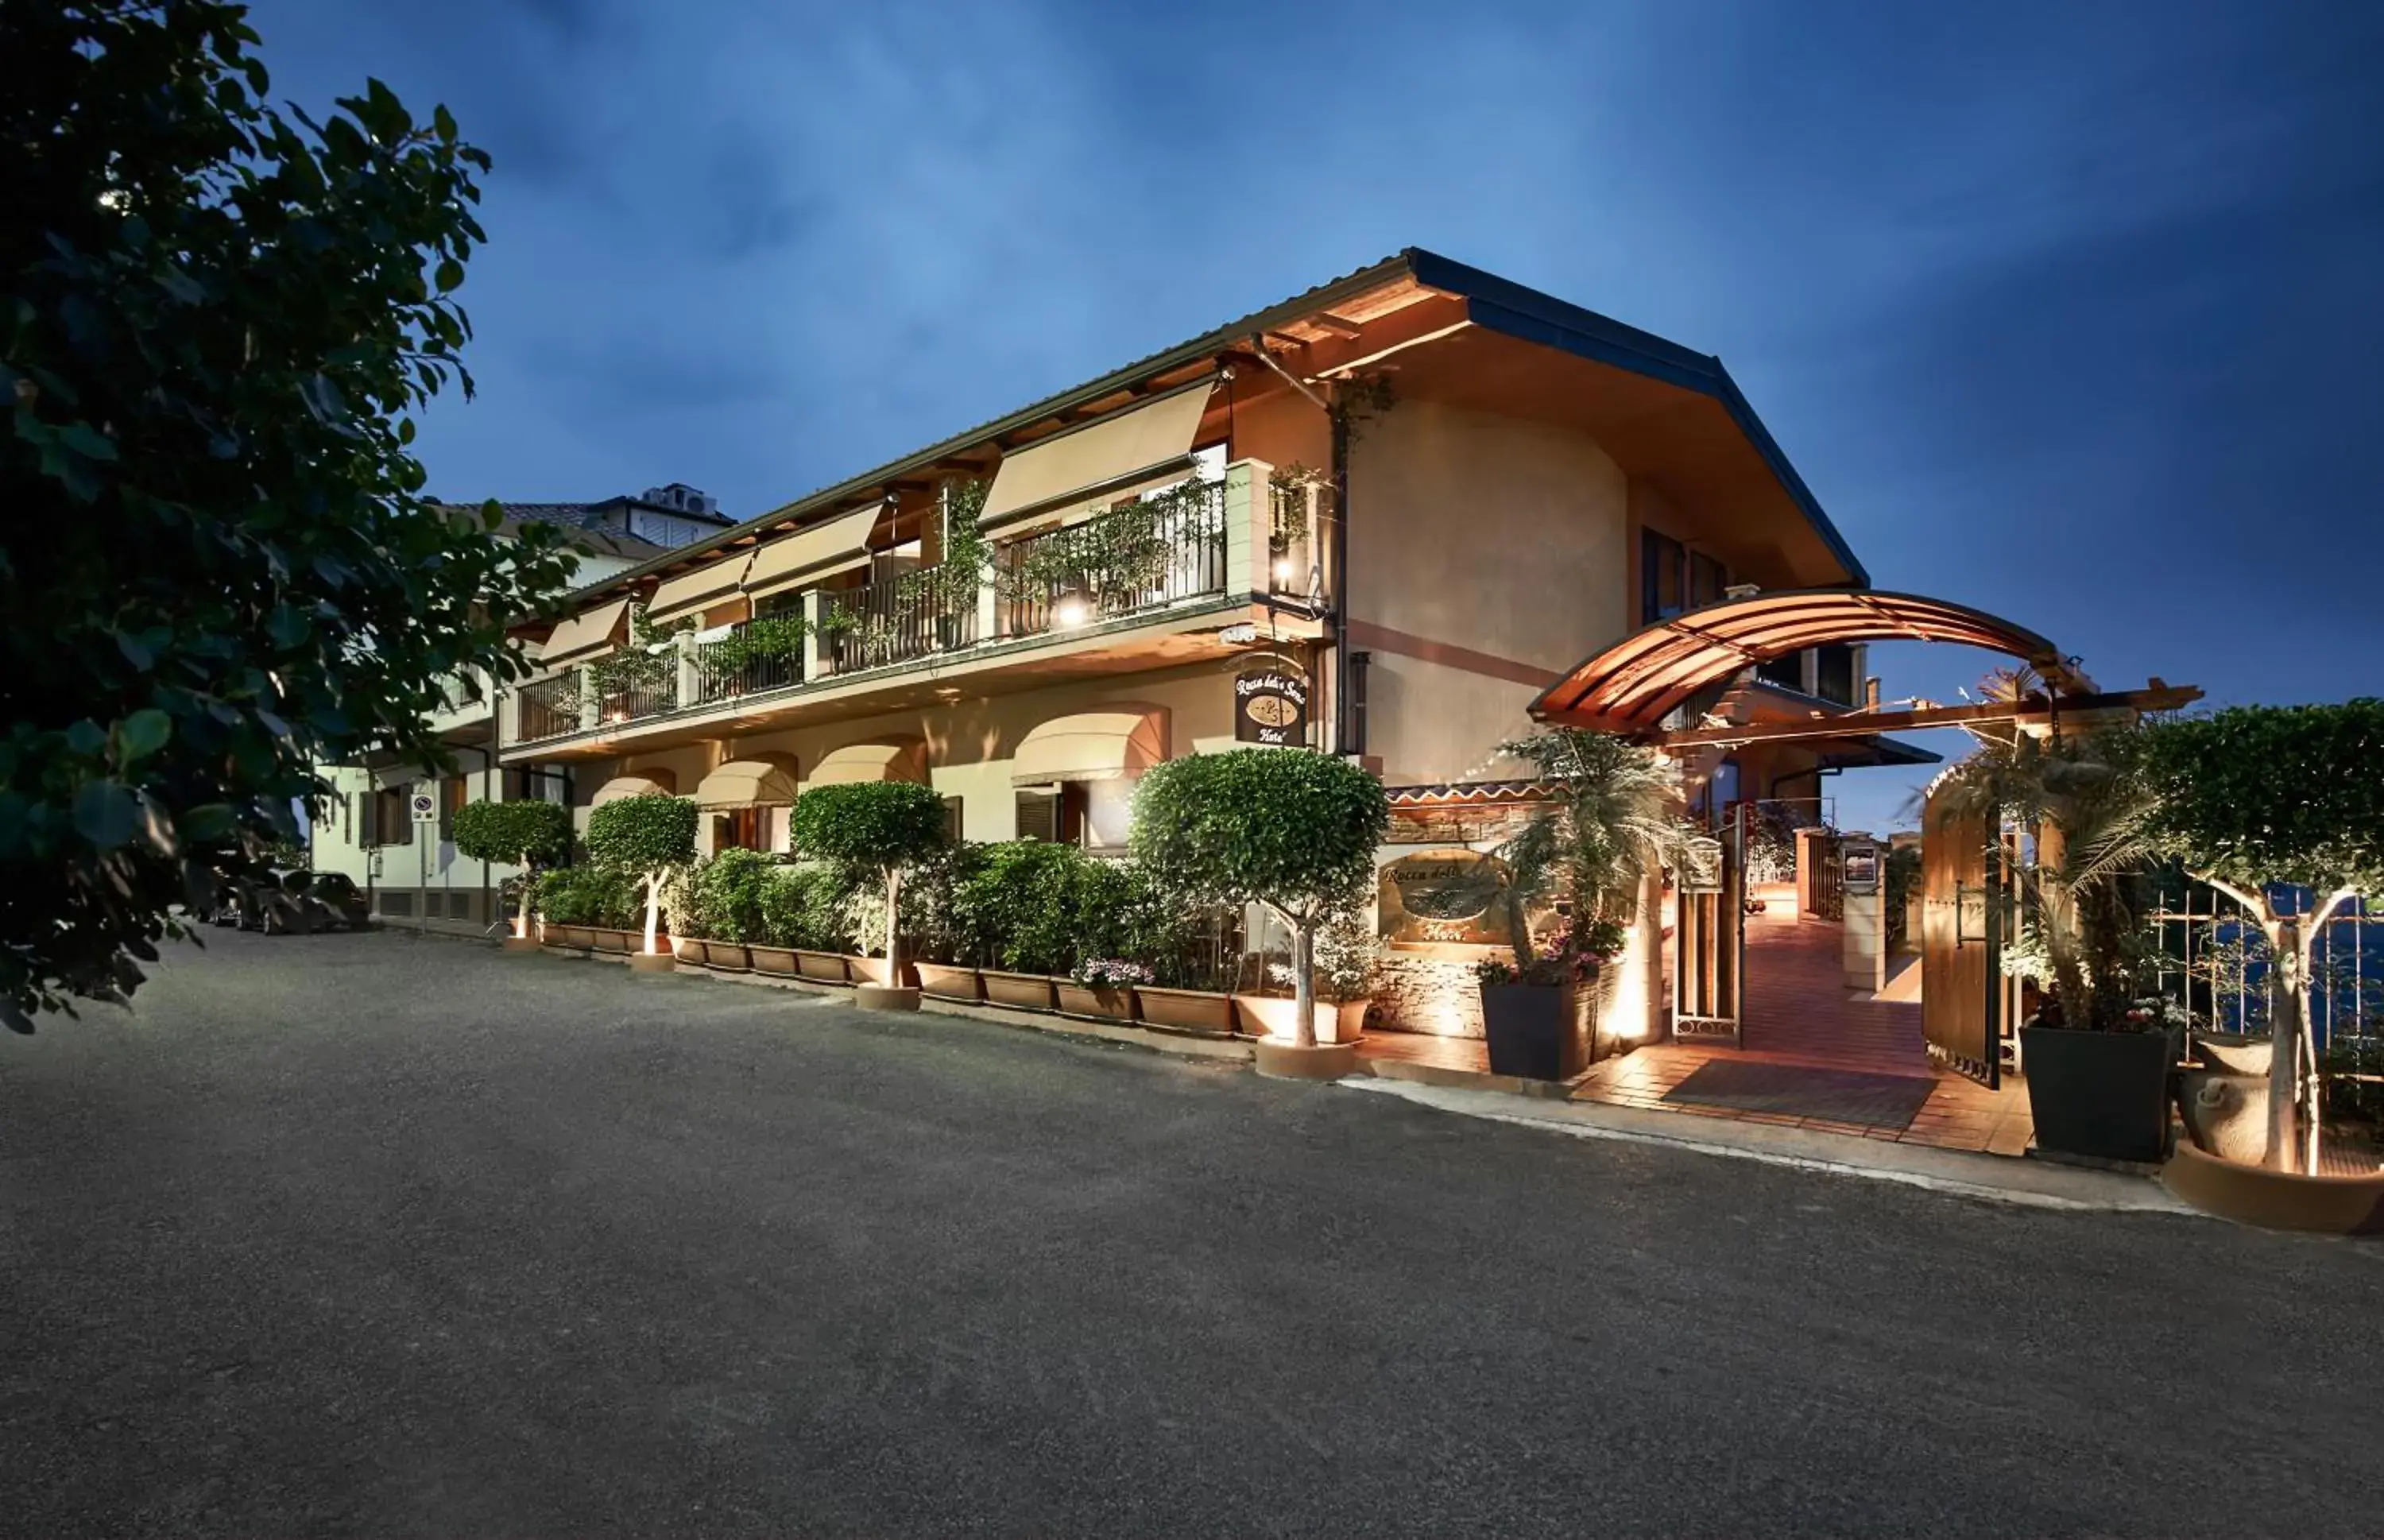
x=646, y=783
x=588, y=635
x=1091, y=746
x=870, y=762
x=1065, y=477
x=839, y=545
x=766, y=780
x=691, y=592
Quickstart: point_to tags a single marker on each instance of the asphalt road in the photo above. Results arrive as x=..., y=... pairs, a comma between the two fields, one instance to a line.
x=379, y=1236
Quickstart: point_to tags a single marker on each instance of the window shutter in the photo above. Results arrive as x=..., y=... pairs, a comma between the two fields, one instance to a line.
x=367, y=818
x=1038, y=815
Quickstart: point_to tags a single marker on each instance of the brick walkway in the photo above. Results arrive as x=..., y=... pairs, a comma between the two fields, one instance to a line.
x=1799, y=1012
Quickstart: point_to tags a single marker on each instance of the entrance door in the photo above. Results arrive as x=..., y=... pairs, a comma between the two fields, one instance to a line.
x=1709, y=939
x=1962, y=914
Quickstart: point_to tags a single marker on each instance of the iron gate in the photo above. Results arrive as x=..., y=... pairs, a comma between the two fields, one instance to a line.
x=1709, y=938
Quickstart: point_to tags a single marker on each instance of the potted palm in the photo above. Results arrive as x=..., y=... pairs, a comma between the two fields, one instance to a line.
x=2097, y=1059
x=1609, y=821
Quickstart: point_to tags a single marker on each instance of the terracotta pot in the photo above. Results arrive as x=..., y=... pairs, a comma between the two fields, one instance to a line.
x=773, y=960
x=1277, y=1016
x=872, y=970
x=828, y=967
x=1026, y=991
x=521, y=943
x=621, y=940
x=732, y=955
x=1110, y=1002
x=688, y=949
x=877, y=996
x=1282, y=1060
x=653, y=962
x=2234, y=1054
x=946, y=981
x=2279, y=1199
x=574, y=936
x=1203, y=1011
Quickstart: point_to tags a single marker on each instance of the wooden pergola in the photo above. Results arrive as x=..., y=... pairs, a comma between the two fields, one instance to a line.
x=1681, y=665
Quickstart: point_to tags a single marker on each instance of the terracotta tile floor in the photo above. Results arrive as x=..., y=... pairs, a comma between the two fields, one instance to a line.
x=1799, y=1012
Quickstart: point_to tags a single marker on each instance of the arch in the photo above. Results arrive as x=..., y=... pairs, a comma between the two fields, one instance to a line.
x=1103, y=744
x=643, y=783
x=1635, y=684
x=761, y=780
x=898, y=760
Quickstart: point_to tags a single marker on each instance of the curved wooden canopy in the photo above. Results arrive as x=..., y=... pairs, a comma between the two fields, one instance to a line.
x=1635, y=684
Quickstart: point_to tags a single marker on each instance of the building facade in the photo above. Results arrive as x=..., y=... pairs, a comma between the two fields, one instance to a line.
x=368, y=831
x=1374, y=520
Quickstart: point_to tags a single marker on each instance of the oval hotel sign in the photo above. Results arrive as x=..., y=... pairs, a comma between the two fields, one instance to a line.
x=1270, y=705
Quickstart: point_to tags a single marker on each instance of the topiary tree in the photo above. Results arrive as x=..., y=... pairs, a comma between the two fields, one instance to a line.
x=2255, y=798
x=526, y=834
x=1285, y=828
x=650, y=837
x=218, y=321
x=876, y=826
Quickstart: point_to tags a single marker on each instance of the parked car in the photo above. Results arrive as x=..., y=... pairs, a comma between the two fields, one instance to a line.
x=337, y=901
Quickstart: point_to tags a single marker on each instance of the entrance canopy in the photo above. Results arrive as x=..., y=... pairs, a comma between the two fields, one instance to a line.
x=766, y=780
x=1635, y=684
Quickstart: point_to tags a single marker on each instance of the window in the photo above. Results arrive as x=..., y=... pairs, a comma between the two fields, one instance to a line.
x=1109, y=813
x=1674, y=578
x=1835, y=674
x=1659, y=576
x=392, y=821
x=743, y=829
x=953, y=823
x=1054, y=813
x=1787, y=672
x=453, y=792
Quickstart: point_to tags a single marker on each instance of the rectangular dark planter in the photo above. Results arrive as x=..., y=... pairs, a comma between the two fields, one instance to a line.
x=779, y=961
x=2100, y=1094
x=826, y=967
x=1186, y=1009
x=1026, y=991
x=1110, y=1002
x=944, y=981
x=1534, y=1031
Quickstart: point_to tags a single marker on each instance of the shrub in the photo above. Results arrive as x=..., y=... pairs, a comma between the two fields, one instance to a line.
x=587, y=896
x=725, y=896
x=1013, y=910
x=881, y=827
x=1292, y=830
x=802, y=907
x=524, y=834
x=649, y=837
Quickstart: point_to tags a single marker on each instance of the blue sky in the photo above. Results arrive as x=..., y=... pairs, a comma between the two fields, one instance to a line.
x=2073, y=312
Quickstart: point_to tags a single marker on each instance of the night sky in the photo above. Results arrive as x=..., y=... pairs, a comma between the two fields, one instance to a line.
x=2070, y=312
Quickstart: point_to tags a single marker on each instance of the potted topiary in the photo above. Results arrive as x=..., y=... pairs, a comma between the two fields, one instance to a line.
x=565, y=901
x=880, y=829
x=726, y=893
x=2256, y=802
x=1014, y=915
x=2097, y=1060
x=526, y=834
x=797, y=905
x=649, y=838
x=1609, y=821
x=1292, y=831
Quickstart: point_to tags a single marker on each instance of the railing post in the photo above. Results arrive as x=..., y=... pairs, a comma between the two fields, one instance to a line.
x=1250, y=515
x=811, y=652
x=988, y=604
x=690, y=686
x=590, y=705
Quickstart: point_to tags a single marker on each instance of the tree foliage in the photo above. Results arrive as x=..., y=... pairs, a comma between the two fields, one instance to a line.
x=1292, y=830
x=222, y=567
x=525, y=833
x=652, y=833
x=1614, y=817
x=870, y=825
x=2255, y=795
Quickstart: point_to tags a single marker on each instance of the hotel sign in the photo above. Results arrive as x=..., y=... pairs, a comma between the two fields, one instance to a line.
x=1447, y=896
x=1270, y=704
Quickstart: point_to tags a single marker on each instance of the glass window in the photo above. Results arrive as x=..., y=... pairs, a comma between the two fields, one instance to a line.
x=1835, y=670
x=743, y=829
x=1788, y=673
x=1708, y=577
x=1661, y=576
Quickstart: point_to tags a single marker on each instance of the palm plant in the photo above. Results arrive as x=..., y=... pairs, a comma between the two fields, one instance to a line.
x=1613, y=820
x=2090, y=804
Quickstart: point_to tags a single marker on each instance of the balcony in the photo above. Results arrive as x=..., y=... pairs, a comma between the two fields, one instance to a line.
x=1129, y=576
x=719, y=676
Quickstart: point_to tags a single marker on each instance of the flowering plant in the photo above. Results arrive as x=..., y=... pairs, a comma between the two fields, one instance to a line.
x=1110, y=973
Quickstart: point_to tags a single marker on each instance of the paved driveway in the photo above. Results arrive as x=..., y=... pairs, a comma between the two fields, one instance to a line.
x=380, y=1235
